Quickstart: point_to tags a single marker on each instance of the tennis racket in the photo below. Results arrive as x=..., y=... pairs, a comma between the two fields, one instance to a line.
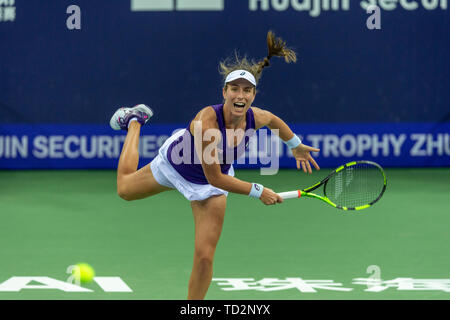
x=354, y=186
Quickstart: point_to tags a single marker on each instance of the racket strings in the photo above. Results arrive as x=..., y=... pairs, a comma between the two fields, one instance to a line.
x=355, y=186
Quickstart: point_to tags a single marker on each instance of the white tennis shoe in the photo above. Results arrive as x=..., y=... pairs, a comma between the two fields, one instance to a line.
x=121, y=118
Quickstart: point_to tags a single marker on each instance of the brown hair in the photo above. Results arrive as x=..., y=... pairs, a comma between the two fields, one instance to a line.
x=276, y=47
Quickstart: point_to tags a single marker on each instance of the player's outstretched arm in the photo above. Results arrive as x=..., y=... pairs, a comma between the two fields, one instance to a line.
x=301, y=152
x=231, y=184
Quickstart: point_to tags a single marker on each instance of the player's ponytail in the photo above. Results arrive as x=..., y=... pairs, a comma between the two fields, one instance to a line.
x=276, y=47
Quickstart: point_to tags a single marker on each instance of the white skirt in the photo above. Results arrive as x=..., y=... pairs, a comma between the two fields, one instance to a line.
x=167, y=176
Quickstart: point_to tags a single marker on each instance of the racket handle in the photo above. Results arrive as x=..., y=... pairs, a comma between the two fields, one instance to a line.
x=290, y=194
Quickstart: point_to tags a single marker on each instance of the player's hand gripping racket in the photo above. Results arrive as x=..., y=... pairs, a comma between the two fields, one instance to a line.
x=354, y=186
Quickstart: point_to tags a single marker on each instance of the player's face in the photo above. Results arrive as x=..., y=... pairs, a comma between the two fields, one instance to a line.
x=239, y=96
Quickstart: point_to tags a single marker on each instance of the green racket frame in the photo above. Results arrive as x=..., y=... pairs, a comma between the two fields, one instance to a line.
x=307, y=192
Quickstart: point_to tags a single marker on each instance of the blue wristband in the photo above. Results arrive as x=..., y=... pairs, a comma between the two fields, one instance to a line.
x=256, y=191
x=294, y=142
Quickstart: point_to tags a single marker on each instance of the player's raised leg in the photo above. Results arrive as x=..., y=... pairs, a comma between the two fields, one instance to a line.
x=133, y=184
x=208, y=218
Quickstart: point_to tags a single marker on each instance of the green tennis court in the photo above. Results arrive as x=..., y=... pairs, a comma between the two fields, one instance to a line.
x=301, y=249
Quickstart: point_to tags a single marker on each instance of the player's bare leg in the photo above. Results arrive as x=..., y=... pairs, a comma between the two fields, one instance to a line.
x=129, y=157
x=208, y=218
x=133, y=184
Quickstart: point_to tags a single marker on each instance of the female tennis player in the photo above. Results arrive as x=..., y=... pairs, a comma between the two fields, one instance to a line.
x=194, y=160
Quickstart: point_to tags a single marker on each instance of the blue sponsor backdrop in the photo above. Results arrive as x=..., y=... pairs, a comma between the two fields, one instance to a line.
x=94, y=146
x=57, y=81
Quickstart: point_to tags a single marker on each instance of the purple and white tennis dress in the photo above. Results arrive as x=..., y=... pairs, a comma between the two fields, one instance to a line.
x=173, y=169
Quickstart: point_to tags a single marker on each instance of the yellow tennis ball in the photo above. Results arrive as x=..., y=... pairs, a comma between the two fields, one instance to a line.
x=83, y=272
